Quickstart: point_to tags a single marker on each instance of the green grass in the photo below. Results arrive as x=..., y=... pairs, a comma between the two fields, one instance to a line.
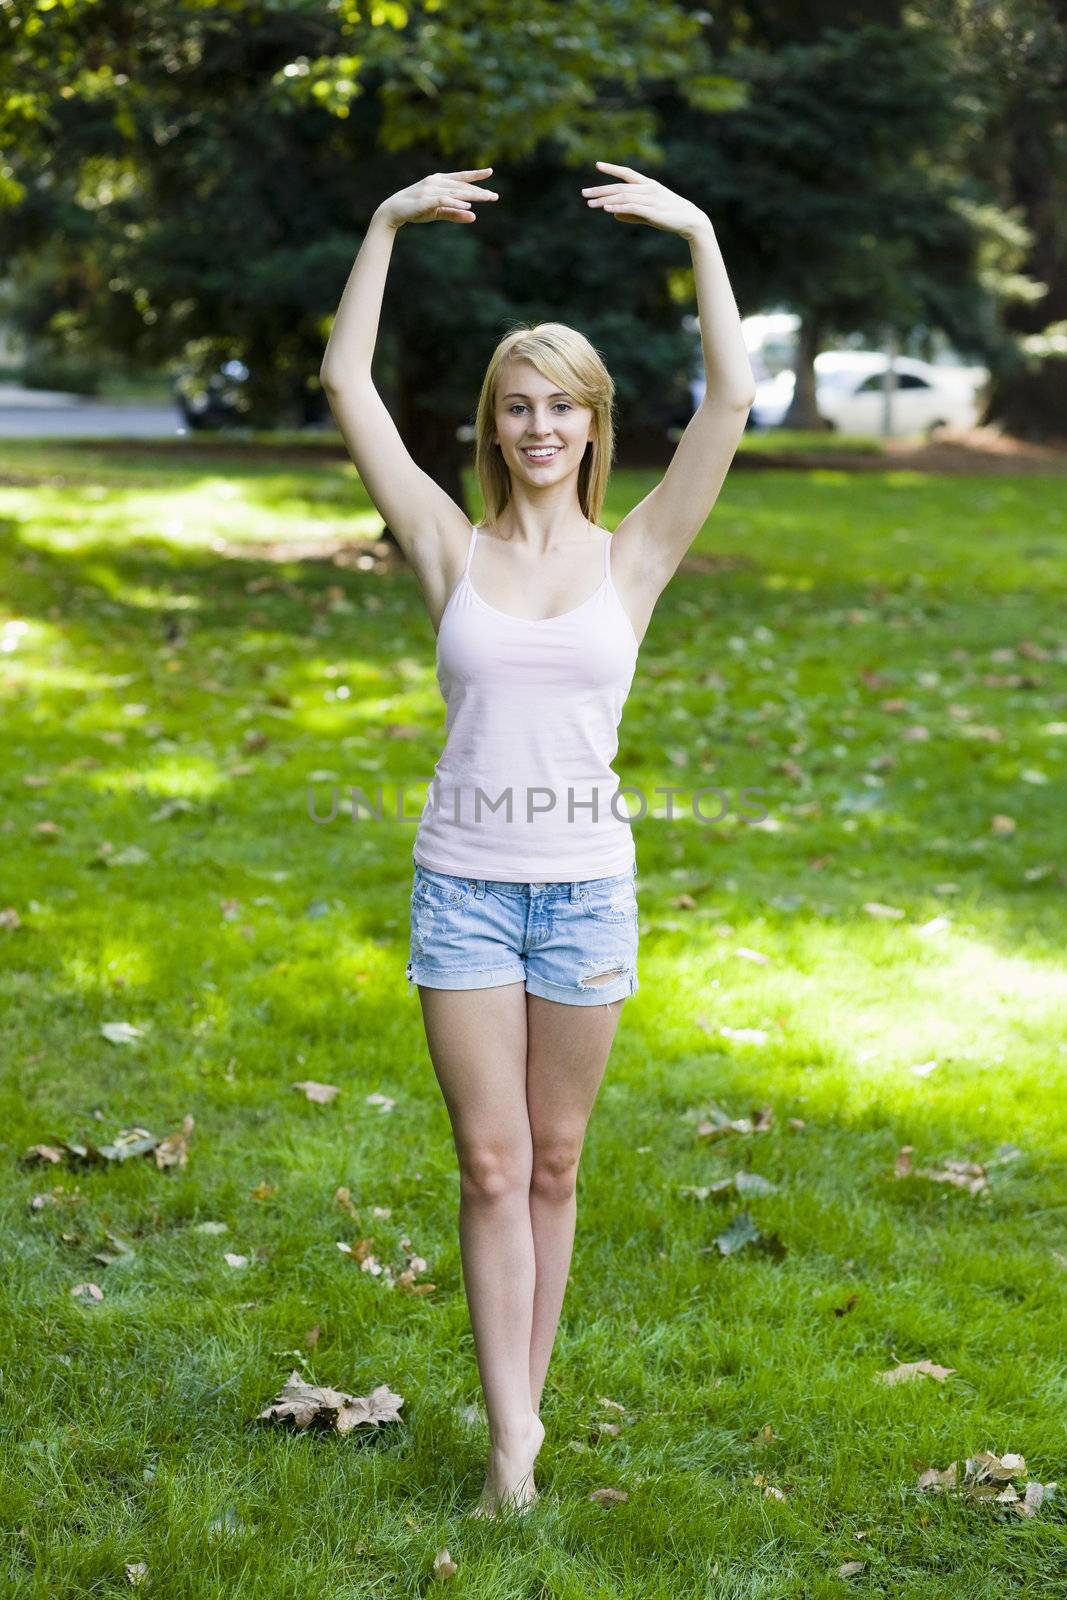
x=255, y=948
x=796, y=441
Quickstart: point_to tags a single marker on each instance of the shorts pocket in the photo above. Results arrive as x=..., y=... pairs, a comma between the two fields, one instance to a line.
x=439, y=888
x=617, y=904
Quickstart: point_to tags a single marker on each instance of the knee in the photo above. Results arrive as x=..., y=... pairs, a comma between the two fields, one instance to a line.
x=554, y=1174
x=492, y=1172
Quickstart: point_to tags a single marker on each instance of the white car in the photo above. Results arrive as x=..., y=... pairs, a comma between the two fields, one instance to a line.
x=848, y=392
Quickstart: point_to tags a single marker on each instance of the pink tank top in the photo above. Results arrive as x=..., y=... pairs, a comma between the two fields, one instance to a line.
x=532, y=708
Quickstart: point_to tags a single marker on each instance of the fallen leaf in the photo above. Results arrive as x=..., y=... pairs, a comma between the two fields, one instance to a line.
x=741, y=1231
x=849, y=1568
x=908, y=1370
x=306, y=1404
x=136, y=1571
x=983, y=1478
x=87, y=1291
x=121, y=1032
x=753, y=1183
x=234, y=1260
x=443, y=1565
x=45, y=1153
x=607, y=1496
x=320, y=1093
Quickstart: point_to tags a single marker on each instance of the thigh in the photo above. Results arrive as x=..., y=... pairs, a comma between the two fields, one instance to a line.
x=566, y=1057
x=477, y=1042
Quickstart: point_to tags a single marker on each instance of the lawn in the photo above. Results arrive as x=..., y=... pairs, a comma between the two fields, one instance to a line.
x=876, y=964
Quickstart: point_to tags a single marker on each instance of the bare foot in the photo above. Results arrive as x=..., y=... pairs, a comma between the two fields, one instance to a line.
x=509, y=1476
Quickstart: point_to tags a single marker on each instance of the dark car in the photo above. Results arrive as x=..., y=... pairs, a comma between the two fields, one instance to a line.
x=218, y=401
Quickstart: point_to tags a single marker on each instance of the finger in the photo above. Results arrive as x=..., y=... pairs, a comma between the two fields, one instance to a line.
x=604, y=188
x=626, y=172
x=469, y=172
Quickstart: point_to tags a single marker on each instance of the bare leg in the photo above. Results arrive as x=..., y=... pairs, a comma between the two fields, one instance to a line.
x=567, y=1053
x=477, y=1043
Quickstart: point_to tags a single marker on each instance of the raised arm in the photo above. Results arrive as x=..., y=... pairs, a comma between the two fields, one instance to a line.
x=655, y=535
x=414, y=506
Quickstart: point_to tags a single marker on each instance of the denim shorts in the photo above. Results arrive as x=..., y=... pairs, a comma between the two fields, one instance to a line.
x=477, y=933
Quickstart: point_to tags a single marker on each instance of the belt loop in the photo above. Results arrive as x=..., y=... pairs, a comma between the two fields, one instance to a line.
x=576, y=889
x=479, y=887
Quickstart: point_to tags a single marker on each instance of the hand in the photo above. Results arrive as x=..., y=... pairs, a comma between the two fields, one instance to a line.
x=635, y=198
x=443, y=196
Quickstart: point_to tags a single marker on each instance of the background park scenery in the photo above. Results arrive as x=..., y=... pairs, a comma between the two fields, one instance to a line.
x=813, y=1342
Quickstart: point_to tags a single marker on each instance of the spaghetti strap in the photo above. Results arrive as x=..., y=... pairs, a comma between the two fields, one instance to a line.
x=607, y=558
x=470, y=549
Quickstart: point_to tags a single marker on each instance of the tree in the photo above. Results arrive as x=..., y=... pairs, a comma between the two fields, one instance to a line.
x=836, y=185
x=1014, y=62
x=205, y=174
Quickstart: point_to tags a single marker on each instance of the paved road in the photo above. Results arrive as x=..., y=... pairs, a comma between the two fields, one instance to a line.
x=44, y=414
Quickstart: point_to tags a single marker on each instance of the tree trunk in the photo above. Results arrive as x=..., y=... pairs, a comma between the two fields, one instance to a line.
x=803, y=409
x=1030, y=399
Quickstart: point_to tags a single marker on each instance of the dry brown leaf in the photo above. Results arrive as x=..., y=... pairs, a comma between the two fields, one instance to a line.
x=42, y=1152
x=608, y=1495
x=320, y=1093
x=87, y=1291
x=989, y=1477
x=906, y=1370
x=770, y=1490
x=263, y=1190
x=173, y=1151
x=969, y=1175
x=848, y=1569
x=306, y=1404
x=343, y=1198
x=311, y=1338
x=443, y=1565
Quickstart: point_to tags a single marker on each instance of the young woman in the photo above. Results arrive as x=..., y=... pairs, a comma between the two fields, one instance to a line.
x=523, y=906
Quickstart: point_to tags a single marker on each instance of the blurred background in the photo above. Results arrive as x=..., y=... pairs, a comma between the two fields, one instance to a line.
x=183, y=189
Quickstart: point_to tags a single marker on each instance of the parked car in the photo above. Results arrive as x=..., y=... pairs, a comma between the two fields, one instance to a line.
x=849, y=394
x=216, y=402
x=211, y=403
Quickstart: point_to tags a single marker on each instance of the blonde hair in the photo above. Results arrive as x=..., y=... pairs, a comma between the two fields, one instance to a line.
x=565, y=357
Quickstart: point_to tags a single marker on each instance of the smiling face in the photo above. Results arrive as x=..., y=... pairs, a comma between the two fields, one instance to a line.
x=542, y=431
